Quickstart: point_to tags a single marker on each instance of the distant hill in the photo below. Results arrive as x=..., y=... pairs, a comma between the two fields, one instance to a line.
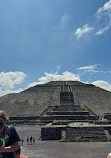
x=32, y=101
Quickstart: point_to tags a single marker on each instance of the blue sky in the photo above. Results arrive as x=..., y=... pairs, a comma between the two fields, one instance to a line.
x=45, y=40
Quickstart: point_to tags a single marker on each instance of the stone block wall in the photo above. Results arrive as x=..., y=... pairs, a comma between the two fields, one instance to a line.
x=74, y=133
x=51, y=133
x=86, y=134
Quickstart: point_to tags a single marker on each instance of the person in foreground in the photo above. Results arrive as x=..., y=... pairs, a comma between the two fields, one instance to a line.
x=17, y=154
x=8, y=138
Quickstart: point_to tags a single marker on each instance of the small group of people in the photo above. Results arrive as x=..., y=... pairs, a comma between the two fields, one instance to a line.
x=9, y=139
x=30, y=140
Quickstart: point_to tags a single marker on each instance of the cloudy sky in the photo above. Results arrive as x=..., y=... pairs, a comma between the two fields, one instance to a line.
x=45, y=40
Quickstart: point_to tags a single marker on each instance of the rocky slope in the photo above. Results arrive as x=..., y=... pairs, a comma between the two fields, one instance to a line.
x=34, y=100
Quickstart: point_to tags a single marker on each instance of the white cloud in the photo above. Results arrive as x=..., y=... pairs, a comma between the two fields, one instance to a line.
x=104, y=12
x=101, y=31
x=90, y=68
x=106, y=8
x=8, y=81
x=82, y=31
x=102, y=84
x=65, y=76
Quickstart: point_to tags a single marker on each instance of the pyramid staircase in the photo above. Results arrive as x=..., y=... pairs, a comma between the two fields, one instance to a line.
x=67, y=111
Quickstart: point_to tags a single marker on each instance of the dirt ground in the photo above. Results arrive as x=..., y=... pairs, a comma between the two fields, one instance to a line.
x=56, y=149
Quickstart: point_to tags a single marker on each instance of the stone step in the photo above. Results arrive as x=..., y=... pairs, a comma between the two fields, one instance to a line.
x=66, y=97
x=68, y=113
x=67, y=107
x=69, y=117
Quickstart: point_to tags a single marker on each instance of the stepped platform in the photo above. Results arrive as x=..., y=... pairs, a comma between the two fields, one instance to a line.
x=86, y=124
x=67, y=110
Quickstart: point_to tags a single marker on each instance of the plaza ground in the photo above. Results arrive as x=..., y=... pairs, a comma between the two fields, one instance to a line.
x=56, y=149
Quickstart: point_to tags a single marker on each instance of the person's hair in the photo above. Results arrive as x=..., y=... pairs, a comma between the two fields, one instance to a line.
x=18, y=151
x=3, y=115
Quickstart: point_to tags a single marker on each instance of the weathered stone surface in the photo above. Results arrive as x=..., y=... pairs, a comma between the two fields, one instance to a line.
x=34, y=100
x=67, y=112
x=51, y=133
x=86, y=134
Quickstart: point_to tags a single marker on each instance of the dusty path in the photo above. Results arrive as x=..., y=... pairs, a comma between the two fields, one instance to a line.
x=55, y=149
